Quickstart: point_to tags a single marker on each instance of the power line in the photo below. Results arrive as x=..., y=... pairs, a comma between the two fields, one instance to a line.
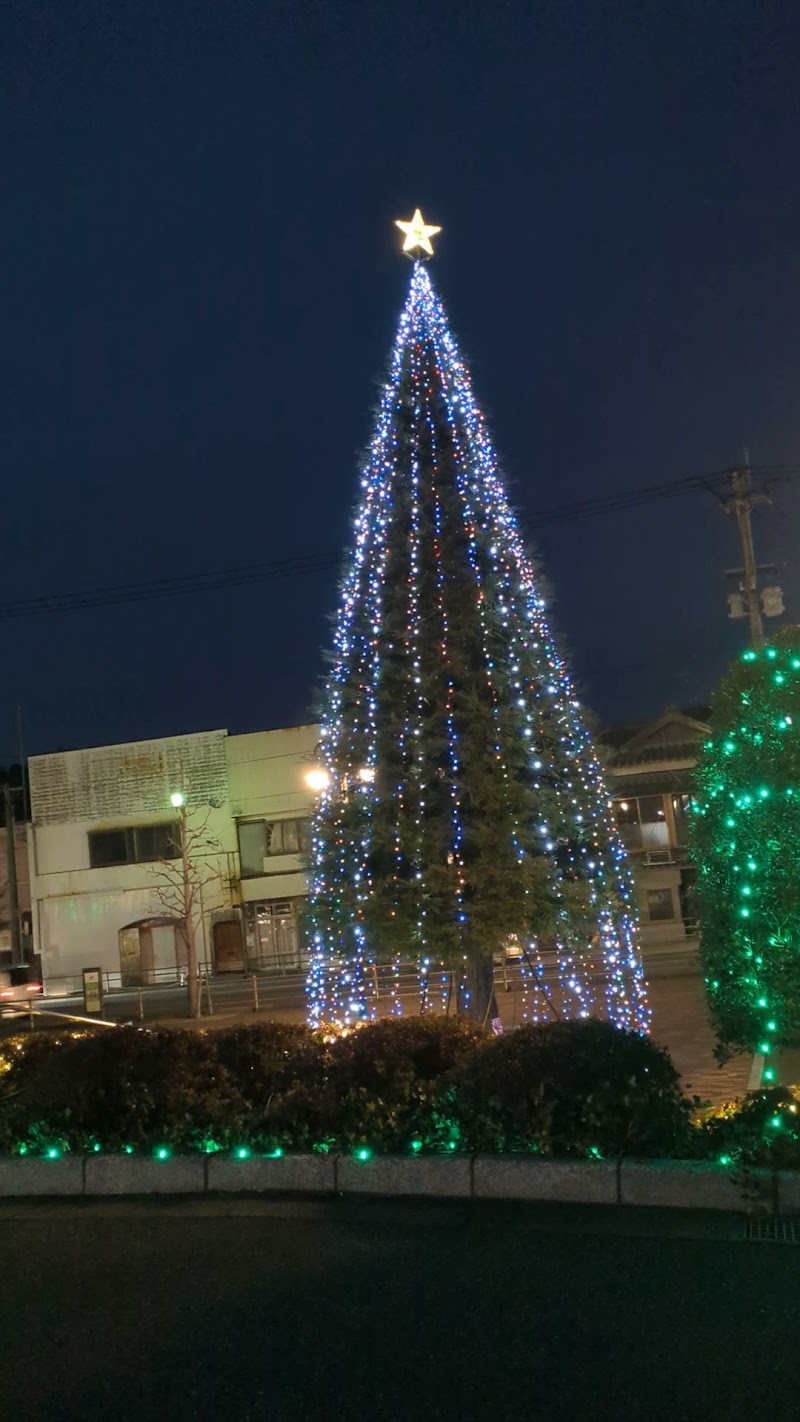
x=121, y=594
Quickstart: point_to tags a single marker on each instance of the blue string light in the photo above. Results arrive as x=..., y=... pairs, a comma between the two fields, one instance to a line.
x=428, y=399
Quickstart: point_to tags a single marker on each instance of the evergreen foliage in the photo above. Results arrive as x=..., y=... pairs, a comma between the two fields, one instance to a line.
x=745, y=836
x=465, y=803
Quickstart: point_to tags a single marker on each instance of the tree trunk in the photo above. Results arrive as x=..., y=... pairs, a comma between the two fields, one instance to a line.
x=192, y=975
x=481, y=1003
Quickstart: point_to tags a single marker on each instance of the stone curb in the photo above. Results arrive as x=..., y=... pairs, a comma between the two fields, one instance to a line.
x=675, y=1184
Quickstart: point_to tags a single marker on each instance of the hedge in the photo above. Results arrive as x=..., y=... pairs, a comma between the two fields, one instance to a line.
x=580, y=1089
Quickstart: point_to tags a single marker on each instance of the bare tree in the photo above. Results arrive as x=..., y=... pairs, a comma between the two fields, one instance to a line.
x=181, y=880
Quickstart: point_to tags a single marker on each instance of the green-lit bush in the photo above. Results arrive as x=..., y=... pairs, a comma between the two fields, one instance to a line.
x=571, y=1089
x=762, y=1129
x=122, y=1087
x=563, y=1089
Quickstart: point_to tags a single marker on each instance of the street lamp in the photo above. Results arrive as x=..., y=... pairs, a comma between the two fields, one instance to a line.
x=317, y=779
x=177, y=799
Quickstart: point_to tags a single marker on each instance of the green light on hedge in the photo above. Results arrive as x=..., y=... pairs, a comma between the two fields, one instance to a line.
x=23, y=1150
x=779, y=678
x=763, y=793
x=594, y=1153
x=53, y=1153
x=746, y=890
x=796, y=662
x=129, y=1150
x=769, y=1074
x=730, y=747
x=730, y=823
x=748, y=656
x=276, y=1153
x=363, y=1153
x=97, y=1146
x=771, y=653
x=162, y=1153
x=762, y=1002
x=772, y=1026
x=776, y=1122
x=242, y=1153
x=416, y=1145
x=744, y=913
x=452, y=1145
x=724, y=1160
x=765, y=1049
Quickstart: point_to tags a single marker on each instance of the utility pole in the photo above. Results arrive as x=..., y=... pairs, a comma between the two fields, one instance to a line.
x=13, y=892
x=741, y=503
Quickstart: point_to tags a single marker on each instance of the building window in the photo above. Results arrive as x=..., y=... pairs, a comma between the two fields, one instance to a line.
x=137, y=844
x=660, y=905
x=680, y=812
x=262, y=840
x=642, y=822
x=272, y=937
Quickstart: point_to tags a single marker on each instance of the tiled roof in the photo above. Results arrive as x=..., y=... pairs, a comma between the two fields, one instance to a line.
x=642, y=755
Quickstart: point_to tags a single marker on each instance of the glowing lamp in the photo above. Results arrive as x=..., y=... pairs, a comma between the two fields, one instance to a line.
x=317, y=779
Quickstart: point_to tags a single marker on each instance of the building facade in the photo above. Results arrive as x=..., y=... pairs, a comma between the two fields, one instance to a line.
x=652, y=774
x=8, y=957
x=106, y=856
x=101, y=881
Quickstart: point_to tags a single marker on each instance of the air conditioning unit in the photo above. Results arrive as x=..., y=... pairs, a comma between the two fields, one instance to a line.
x=658, y=856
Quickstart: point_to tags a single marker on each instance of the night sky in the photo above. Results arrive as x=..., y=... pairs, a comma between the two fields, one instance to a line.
x=201, y=282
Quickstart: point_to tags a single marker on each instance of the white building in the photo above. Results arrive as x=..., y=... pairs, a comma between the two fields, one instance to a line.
x=105, y=860
x=652, y=779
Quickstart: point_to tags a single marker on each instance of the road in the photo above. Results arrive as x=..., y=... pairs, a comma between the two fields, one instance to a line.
x=281, y=995
x=280, y=1312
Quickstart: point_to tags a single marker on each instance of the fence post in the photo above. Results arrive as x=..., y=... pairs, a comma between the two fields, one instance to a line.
x=254, y=981
x=140, y=1003
x=207, y=981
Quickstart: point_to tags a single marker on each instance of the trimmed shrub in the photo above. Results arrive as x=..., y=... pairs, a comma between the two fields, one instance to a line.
x=386, y=1081
x=571, y=1089
x=126, y=1087
x=761, y=1129
x=564, y=1089
x=281, y=1071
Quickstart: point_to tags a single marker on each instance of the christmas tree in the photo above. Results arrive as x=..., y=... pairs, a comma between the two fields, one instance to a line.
x=746, y=841
x=461, y=804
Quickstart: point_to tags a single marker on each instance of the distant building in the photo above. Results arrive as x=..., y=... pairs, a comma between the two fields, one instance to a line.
x=651, y=770
x=103, y=842
x=104, y=850
x=23, y=898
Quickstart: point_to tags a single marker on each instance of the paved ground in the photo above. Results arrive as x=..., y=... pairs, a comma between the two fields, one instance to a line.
x=349, y=1310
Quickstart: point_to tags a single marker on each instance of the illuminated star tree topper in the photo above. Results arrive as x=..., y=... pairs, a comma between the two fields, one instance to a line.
x=417, y=235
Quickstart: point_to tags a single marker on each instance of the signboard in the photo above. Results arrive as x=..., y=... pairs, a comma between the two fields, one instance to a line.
x=93, y=990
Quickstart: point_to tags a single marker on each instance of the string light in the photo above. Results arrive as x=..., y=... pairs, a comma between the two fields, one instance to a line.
x=750, y=949
x=462, y=796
